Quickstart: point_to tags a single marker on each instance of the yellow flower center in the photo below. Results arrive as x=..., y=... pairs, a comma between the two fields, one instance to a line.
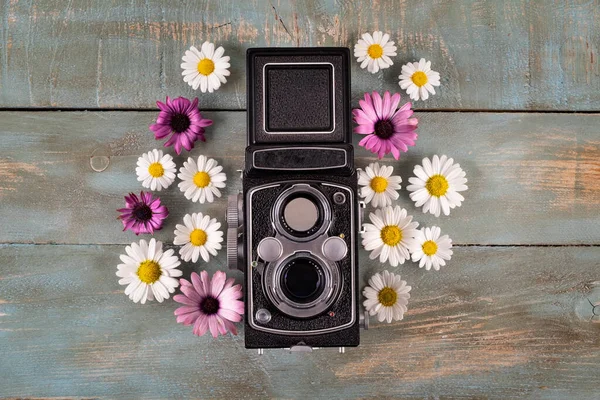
x=156, y=170
x=391, y=235
x=379, y=184
x=198, y=237
x=387, y=296
x=206, y=66
x=429, y=247
x=149, y=271
x=419, y=78
x=201, y=179
x=437, y=185
x=375, y=51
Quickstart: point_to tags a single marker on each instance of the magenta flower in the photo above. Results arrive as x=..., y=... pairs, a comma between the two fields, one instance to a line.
x=387, y=130
x=210, y=305
x=144, y=214
x=180, y=121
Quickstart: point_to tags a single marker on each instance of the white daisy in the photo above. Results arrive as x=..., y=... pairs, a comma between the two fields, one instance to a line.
x=390, y=235
x=378, y=185
x=374, y=52
x=199, y=236
x=437, y=184
x=148, y=271
x=387, y=296
x=155, y=170
x=430, y=249
x=200, y=181
x=206, y=69
x=418, y=79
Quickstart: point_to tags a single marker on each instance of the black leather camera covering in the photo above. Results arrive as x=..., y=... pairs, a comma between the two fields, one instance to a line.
x=261, y=227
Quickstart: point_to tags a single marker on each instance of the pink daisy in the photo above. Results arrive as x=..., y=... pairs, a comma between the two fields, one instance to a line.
x=144, y=214
x=180, y=121
x=210, y=305
x=387, y=129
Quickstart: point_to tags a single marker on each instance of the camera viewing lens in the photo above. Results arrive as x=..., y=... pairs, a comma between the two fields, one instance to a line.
x=301, y=214
x=302, y=280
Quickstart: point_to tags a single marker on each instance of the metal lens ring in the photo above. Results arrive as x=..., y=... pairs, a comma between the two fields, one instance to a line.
x=302, y=285
x=301, y=213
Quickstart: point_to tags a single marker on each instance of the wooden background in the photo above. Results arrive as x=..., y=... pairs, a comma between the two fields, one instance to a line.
x=511, y=316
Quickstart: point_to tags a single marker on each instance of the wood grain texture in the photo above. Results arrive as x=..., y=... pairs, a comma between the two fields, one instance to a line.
x=510, y=55
x=508, y=323
x=533, y=178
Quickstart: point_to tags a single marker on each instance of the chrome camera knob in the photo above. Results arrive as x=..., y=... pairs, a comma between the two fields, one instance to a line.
x=334, y=248
x=232, y=248
x=233, y=214
x=234, y=223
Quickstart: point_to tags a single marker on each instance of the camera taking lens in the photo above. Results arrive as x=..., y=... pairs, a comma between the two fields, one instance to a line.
x=302, y=280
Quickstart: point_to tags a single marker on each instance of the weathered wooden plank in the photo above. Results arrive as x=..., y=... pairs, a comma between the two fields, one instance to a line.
x=496, y=323
x=533, y=178
x=510, y=54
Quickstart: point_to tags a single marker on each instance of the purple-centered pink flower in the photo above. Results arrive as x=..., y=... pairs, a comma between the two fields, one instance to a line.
x=143, y=214
x=207, y=305
x=180, y=122
x=386, y=129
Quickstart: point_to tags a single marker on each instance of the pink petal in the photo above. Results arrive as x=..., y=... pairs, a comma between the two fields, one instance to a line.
x=367, y=107
x=201, y=325
x=365, y=129
x=198, y=284
x=361, y=117
x=177, y=147
x=182, y=299
x=232, y=293
x=162, y=106
x=394, y=104
x=205, y=122
x=236, y=306
x=192, y=294
x=212, y=324
x=221, y=325
x=193, y=106
x=186, y=310
x=228, y=283
x=205, y=282
x=385, y=112
x=395, y=152
x=188, y=319
x=218, y=281
x=377, y=105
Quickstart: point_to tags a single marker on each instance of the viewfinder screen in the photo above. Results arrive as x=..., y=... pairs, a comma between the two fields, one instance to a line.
x=299, y=98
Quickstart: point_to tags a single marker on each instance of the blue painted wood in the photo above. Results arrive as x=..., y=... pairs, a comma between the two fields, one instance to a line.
x=508, y=323
x=533, y=178
x=509, y=54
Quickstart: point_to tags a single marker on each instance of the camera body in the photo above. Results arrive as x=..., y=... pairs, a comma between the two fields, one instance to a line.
x=293, y=230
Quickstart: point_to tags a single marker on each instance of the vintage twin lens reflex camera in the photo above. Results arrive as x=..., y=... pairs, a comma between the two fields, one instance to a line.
x=293, y=230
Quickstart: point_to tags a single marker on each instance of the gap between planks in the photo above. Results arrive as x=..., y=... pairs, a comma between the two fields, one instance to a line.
x=424, y=110
x=454, y=245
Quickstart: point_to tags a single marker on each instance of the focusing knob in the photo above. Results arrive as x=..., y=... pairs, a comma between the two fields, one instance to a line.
x=235, y=247
x=233, y=215
x=232, y=248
